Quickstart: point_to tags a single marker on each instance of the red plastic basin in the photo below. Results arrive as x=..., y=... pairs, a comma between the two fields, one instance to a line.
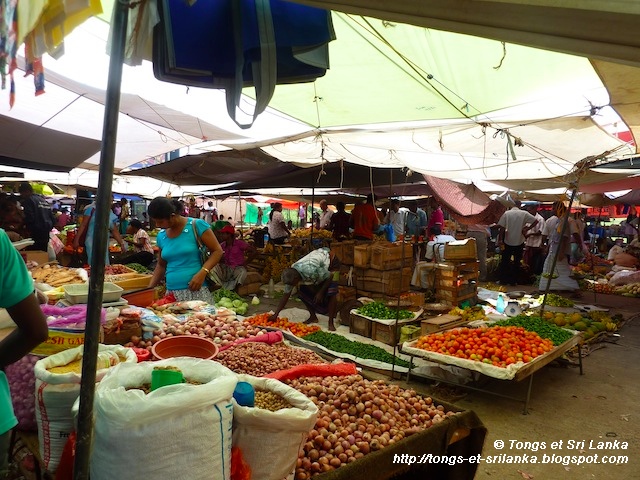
x=185, y=346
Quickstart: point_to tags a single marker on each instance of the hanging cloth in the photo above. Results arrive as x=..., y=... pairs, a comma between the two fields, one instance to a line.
x=231, y=44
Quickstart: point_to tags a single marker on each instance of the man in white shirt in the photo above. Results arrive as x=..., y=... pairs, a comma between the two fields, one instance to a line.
x=396, y=217
x=325, y=216
x=435, y=246
x=511, y=241
x=533, y=254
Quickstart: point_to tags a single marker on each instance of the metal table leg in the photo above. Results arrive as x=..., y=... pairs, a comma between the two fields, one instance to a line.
x=526, y=402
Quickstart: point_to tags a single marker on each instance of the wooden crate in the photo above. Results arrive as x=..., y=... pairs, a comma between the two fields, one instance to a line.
x=381, y=332
x=362, y=256
x=390, y=282
x=346, y=293
x=389, y=256
x=455, y=296
x=345, y=272
x=344, y=251
x=360, y=325
x=468, y=270
x=440, y=323
x=248, y=288
x=416, y=298
x=348, y=247
x=461, y=250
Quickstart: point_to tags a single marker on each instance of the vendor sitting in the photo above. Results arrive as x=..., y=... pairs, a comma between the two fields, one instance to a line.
x=435, y=246
x=630, y=257
x=139, y=238
x=316, y=276
x=230, y=271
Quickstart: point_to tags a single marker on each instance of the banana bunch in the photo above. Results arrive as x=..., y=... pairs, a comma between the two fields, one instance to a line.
x=469, y=314
x=629, y=290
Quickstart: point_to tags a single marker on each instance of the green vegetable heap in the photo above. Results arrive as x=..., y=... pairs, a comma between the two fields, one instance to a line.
x=545, y=329
x=381, y=311
x=337, y=343
x=558, y=301
x=138, y=268
x=231, y=300
x=223, y=292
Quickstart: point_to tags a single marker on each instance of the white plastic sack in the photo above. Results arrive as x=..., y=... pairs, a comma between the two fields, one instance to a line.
x=625, y=277
x=55, y=396
x=177, y=431
x=270, y=441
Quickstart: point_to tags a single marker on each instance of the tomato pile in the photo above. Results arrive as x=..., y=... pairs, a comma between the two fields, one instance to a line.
x=498, y=346
x=298, y=329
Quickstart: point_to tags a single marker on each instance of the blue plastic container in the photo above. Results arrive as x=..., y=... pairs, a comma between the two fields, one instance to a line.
x=245, y=394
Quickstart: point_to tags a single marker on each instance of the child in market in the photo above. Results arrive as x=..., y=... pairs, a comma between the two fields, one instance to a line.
x=17, y=296
x=139, y=238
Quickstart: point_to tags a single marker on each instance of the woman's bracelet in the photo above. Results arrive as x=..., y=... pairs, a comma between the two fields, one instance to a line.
x=206, y=270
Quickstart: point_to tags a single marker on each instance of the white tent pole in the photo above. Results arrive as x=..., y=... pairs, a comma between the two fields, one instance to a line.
x=96, y=286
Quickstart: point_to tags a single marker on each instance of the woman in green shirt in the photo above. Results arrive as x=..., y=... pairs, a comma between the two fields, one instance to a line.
x=17, y=296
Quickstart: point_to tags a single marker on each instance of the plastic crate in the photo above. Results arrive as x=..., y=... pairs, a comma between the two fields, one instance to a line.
x=79, y=292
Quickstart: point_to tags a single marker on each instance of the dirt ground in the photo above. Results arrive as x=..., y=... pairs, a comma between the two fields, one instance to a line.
x=599, y=406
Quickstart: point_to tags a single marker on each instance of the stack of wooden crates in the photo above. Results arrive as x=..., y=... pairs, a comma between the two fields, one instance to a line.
x=457, y=277
x=382, y=270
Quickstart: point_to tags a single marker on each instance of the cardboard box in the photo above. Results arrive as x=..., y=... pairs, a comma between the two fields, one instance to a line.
x=37, y=256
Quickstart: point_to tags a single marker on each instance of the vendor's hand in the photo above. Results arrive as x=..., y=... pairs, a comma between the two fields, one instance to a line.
x=319, y=296
x=272, y=318
x=197, y=280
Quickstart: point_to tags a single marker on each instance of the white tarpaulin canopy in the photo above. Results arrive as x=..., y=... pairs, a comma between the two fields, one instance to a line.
x=466, y=95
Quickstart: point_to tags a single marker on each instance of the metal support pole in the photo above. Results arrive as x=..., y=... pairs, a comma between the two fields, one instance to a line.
x=100, y=240
x=565, y=223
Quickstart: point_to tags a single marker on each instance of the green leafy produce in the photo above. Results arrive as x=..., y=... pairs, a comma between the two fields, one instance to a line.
x=224, y=293
x=338, y=343
x=381, y=311
x=138, y=268
x=536, y=324
x=558, y=301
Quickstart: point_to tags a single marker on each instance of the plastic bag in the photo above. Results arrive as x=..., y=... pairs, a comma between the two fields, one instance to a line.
x=389, y=232
x=315, y=370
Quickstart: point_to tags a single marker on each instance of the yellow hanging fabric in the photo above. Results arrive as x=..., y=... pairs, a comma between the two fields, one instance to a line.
x=58, y=19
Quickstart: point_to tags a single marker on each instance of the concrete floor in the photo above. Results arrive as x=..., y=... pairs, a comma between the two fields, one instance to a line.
x=599, y=406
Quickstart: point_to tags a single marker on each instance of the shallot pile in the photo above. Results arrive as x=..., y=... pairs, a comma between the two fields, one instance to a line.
x=357, y=416
x=222, y=328
x=260, y=359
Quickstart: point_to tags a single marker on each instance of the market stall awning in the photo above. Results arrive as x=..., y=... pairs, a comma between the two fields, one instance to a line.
x=457, y=149
x=26, y=145
x=466, y=203
x=568, y=26
x=217, y=168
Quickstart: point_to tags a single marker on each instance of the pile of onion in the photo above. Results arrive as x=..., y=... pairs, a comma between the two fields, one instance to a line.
x=258, y=359
x=222, y=328
x=358, y=416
